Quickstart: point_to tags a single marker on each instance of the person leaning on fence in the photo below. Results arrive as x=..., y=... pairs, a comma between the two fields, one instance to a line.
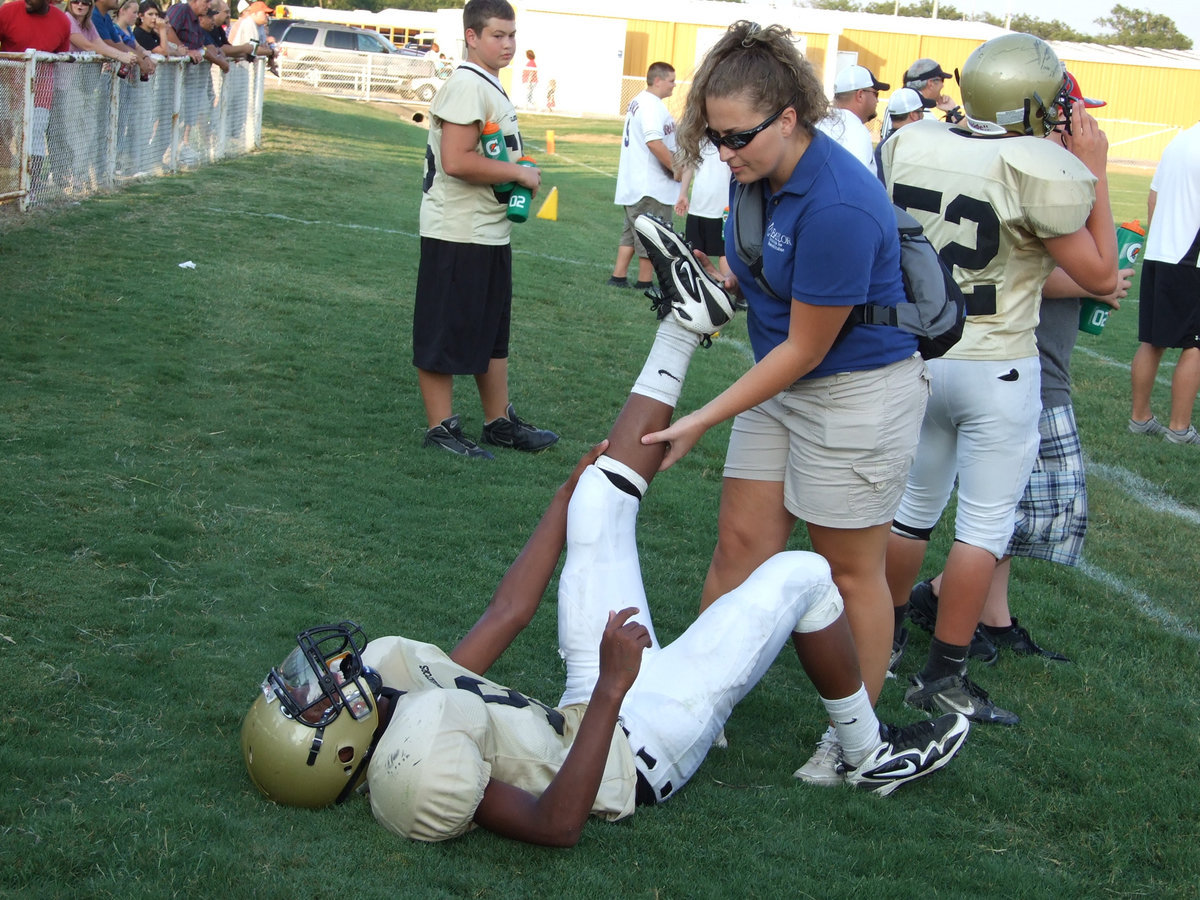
x=251, y=28
x=110, y=33
x=85, y=37
x=184, y=29
x=33, y=25
x=220, y=36
x=148, y=31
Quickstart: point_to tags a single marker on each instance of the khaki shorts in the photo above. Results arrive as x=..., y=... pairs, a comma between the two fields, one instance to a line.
x=842, y=445
x=629, y=237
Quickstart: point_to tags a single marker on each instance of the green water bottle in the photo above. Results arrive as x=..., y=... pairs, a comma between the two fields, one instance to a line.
x=492, y=141
x=522, y=197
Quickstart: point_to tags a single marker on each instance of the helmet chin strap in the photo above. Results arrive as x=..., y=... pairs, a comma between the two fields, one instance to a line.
x=315, y=749
x=391, y=695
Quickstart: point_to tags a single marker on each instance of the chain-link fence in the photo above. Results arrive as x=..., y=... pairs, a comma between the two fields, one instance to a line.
x=362, y=76
x=71, y=125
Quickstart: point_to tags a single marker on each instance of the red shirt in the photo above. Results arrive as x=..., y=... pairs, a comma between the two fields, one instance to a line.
x=49, y=32
x=19, y=31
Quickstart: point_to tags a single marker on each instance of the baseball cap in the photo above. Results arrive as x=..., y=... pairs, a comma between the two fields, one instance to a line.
x=1076, y=93
x=857, y=78
x=905, y=101
x=925, y=68
x=256, y=7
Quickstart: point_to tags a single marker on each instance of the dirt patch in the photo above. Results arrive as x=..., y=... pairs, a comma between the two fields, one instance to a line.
x=589, y=138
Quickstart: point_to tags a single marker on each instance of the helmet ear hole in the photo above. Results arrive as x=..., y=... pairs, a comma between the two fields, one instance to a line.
x=346, y=754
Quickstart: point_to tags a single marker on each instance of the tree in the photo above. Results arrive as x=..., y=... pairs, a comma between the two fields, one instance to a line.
x=1142, y=28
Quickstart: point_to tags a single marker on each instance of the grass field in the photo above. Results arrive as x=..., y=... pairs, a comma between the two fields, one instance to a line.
x=199, y=463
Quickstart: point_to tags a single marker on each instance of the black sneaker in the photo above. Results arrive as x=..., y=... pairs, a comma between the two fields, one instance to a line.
x=922, y=612
x=899, y=643
x=616, y=282
x=1017, y=640
x=448, y=436
x=516, y=433
x=957, y=694
x=908, y=753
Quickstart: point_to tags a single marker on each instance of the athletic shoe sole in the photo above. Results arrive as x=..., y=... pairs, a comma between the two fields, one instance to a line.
x=700, y=303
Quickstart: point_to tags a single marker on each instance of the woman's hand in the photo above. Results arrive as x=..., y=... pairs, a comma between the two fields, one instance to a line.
x=681, y=435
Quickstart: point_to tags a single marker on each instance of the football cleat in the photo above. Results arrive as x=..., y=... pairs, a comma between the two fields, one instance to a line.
x=699, y=303
x=957, y=694
x=905, y=754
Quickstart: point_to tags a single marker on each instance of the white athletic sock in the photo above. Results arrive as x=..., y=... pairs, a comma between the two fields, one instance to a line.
x=855, y=723
x=667, y=365
x=616, y=467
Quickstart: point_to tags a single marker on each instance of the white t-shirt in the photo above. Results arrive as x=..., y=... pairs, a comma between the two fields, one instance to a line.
x=639, y=173
x=710, y=185
x=1175, y=228
x=848, y=130
x=246, y=30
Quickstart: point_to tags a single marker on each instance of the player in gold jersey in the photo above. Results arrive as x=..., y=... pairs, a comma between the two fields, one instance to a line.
x=1003, y=205
x=445, y=749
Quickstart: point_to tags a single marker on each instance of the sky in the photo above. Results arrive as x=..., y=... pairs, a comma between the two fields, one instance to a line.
x=1082, y=14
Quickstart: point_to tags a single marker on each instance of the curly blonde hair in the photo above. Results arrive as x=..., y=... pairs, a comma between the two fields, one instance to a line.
x=763, y=66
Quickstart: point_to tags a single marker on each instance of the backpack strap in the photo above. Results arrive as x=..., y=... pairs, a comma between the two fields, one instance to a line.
x=750, y=223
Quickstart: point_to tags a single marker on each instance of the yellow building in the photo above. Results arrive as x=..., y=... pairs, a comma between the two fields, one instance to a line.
x=598, y=55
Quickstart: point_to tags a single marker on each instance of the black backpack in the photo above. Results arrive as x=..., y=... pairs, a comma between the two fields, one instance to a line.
x=936, y=309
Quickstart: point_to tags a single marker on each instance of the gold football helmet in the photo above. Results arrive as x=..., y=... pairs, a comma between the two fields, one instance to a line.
x=1012, y=83
x=308, y=737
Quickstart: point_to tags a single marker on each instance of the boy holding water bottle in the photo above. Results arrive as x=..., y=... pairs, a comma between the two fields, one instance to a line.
x=464, y=279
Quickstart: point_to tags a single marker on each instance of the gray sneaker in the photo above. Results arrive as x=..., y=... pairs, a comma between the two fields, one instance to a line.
x=1150, y=426
x=958, y=694
x=447, y=435
x=1189, y=436
x=511, y=430
x=824, y=768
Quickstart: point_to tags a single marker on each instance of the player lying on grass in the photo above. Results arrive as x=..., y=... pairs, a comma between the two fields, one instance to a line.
x=449, y=749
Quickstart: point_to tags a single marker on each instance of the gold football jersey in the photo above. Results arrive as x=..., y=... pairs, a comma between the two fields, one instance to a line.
x=986, y=205
x=453, y=209
x=453, y=730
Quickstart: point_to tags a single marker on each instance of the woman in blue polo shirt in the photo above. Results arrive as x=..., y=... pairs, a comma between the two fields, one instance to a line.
x=827, y=419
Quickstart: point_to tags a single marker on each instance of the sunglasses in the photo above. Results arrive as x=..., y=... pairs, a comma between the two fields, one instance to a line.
x=740, y=139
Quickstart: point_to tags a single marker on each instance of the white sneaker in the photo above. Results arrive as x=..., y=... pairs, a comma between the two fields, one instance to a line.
x=699, y=303
x=824, y=768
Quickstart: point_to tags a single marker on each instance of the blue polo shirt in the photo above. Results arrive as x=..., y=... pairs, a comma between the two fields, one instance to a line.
x=830, y=240
x=106, y=27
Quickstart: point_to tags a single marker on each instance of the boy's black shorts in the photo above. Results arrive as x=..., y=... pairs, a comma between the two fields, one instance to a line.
x=706, y=235
x=1168, y=314
x=463, y=306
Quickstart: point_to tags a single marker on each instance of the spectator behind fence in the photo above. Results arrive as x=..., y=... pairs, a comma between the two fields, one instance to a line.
x=111, y=34
x=32, y=25
x=84, y=36
x=220, y=37
x=251, y=28
x=148, y=31
x=185, y=29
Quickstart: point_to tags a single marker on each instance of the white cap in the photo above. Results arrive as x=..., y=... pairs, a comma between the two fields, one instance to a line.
x=857, y=78
x=904, y=101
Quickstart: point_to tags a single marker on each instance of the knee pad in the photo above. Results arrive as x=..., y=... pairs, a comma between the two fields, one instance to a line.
x=911, y=532
x=823, y=610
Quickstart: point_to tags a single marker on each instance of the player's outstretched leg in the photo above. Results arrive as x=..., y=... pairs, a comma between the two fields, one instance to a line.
x=700, y=303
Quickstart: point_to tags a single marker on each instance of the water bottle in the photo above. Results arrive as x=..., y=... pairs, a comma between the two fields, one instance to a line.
x=522, y=197
x=492, y=141
x=1093, y=315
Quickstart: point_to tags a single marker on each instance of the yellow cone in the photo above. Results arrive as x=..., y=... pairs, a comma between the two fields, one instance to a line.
x=549, y=208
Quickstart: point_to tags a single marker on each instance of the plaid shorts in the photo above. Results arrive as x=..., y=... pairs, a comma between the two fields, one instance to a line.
x=1052, y=513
